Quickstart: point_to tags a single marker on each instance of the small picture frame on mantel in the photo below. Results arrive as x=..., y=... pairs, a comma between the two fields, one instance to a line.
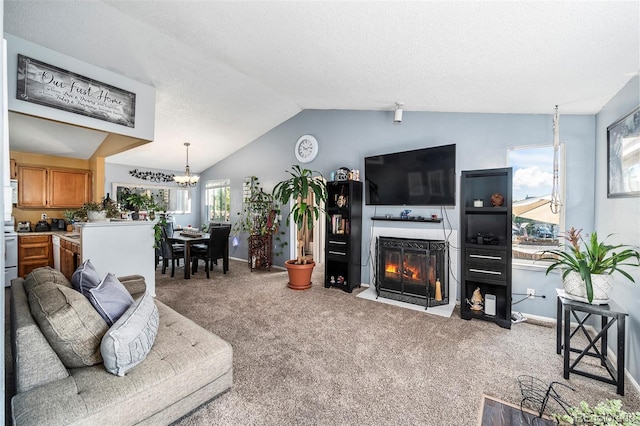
x=623, y=156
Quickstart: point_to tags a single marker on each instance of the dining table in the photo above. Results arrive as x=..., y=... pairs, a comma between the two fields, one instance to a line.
x=187, y=239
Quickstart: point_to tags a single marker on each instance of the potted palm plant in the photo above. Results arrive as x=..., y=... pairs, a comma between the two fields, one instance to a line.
x=309, y=191
x=588, y=274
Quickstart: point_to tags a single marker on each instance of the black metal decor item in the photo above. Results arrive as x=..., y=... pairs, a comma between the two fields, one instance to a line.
x=152, y=176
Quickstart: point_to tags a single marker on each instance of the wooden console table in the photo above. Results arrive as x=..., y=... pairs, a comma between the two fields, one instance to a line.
x=609, y=314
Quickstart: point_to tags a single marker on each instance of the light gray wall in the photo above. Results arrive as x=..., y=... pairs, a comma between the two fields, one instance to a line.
x=120, y=173
x=621, y=217
x=346, y=137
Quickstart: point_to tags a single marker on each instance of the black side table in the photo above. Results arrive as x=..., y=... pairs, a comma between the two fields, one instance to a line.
x=606, y=312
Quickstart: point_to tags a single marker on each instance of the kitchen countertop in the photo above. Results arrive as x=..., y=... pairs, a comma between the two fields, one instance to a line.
x=73, y=237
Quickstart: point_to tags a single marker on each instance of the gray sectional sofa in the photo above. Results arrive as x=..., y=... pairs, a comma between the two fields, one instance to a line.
x=186, y=367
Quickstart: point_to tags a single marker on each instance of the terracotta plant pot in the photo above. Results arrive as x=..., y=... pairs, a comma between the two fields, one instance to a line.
x=299, y=275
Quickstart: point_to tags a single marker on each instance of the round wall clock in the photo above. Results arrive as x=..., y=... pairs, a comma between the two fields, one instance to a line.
x=306, y=148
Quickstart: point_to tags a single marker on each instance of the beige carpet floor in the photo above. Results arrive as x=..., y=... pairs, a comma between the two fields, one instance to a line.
x=326, y=357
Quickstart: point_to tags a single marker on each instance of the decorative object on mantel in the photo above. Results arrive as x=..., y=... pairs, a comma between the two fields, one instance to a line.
x=186, y=180
x=497, y=200
x=404, y=214
x=588, y=275
x=152, y=176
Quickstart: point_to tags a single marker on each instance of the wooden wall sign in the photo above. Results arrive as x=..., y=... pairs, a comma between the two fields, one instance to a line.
x=54, y=87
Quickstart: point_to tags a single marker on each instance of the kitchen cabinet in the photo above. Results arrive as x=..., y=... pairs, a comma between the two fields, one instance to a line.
x=46, y=187
x=32, y=186
x=34, y=251
x=13, y=169
x=70, y=257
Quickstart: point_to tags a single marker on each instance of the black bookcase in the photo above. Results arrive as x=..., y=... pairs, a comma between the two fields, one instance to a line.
x=486, y=244
x=344, y=235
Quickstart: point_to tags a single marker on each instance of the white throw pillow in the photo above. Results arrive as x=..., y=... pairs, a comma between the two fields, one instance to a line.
x=129, y=340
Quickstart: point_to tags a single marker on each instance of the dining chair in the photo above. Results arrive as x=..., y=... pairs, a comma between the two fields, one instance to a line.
x=217, y=248
x=173, y=252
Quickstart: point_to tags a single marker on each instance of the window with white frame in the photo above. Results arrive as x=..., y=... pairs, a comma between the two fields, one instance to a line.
x=536, y=226
x=181, y=204
x=217, y=204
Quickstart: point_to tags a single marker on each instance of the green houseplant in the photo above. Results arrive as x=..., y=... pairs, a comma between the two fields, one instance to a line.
x=259, y=212
x=94, y=211
x=140, y=202
x=607, y=413
x=595, y=264
x=309, y=191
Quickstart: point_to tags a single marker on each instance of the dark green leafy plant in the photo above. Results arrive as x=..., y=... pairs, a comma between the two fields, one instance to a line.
x=300, y=186
x=259, y=215
x=596, y=258
x=141, y=202
x=108, y=206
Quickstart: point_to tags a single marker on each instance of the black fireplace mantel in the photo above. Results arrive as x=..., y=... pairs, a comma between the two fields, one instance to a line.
x=409, y=220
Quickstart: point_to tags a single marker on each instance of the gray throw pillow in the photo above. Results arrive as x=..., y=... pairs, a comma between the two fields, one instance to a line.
x=129, y=340
x=85, y=278
x=110, y=298
x=43, y=275
x=70, y=324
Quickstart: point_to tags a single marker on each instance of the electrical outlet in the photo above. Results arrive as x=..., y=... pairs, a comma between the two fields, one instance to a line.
x=531, y=293
x=44, y=216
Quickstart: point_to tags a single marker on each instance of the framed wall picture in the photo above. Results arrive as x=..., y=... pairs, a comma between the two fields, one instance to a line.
x=623, y=156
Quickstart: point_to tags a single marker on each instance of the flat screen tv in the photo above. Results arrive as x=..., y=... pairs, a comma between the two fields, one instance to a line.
x=421, y=177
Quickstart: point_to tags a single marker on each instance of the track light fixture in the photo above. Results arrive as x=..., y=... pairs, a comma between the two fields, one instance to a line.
x=186, y=180
x=397, y=117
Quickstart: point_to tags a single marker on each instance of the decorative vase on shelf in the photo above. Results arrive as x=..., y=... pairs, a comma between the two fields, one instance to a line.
x=497, y=200
x=575, y=288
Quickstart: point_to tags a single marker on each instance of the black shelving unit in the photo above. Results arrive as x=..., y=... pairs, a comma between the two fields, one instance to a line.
x=486, y=261
x=344, y=235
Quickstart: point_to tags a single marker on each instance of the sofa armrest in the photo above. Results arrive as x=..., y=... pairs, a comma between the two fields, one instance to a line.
x=134, y=284
x=35, y=362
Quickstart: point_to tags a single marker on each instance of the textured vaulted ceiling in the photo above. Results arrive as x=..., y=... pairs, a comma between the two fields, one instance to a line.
x=227, y=72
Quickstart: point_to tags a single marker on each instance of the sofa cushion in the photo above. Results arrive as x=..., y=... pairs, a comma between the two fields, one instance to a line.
x=85, y=277
x=129, y=340
x=110, y=298
x=43, y=275
x=70, y=324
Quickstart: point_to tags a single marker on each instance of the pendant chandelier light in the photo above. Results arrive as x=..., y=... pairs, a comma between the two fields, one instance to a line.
x=186, y=180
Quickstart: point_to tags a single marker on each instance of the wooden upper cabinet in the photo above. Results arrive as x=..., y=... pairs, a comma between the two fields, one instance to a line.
x=69, y=188
x=32, y=186
x=53, y=187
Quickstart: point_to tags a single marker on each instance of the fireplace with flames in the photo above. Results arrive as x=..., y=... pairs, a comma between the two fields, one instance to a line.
x=413, y=271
